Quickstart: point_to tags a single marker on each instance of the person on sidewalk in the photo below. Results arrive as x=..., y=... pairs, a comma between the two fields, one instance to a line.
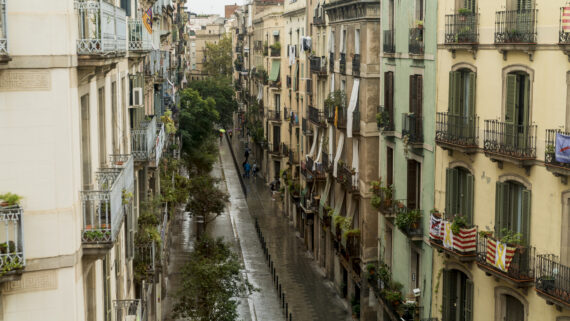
x=246, y=154
x=247, y=169
x=254, y=169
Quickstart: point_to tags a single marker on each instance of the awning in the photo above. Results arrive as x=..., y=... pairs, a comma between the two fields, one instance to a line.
x=352, y=106
x=338, y=153
x=276, y=32
x=275, y=65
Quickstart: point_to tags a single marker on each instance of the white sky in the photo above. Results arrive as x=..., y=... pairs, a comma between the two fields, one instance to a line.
x=210, y=6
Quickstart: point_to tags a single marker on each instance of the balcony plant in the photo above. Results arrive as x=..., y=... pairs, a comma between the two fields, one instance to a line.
x=464, y=12
x=407, y=310
x=459, y=222
x=355, y=307
x=12, y=265
x=9, y=199
x=126, y=196
x=276, y=46
x=484, y=234
x=511, y=238
x=419, y=24
x=408, y=219
x=7, y=247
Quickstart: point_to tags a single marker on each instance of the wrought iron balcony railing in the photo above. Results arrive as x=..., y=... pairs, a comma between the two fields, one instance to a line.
x=416, y=41
x=348, y=177
x=457, y=130
x=3, y=26
x=318, y=65
x=521, y=268
x=147, y=257
x=342, y=63
x=157, y=64
x=331, y=61
x=317, y=116
x=389, y=45
x=413, y=128
x=102, y=28
x=128, y=309
x=386, y=204
x=385, y=119
x=143, y=140
x=274, y=115
x=553, y=280
x=516, y=26
x=12, y=259
x=515, y=141
x=553, y=164
x=319, y=20
x=351, y=244
x=103, y=209
x=461, y=28
x=327, y=162
x=139, y=38
x=275, y=52
x=414, y=229
x=159, y=146
x=285, y=149
x=356, y=65
x=275, y=147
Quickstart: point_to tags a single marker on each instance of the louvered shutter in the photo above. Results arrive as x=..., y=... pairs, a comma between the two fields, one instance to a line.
x=510, y=110
x=451, y=192
x=470, y=112
x=525, y=224
x=468, y=199
x=525, y=139
x=411, y=184
x=468, y=303
x=500, y=198
x=446, y=304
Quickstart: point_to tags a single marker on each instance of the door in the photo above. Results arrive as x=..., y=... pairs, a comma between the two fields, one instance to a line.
x=517, y=112
x=461, y=105
x=413, y=191
x=514, y=309
x=276, y=139
x=389, y=96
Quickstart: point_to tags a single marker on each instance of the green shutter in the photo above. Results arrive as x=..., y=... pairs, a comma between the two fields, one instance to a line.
x=524, y=141
x=453, y=103
x=470, y=112
x=413, y=94
x=500, y=198
x=468, y=304
x=525, y=224
x=451, y=192
x=510, y=110
x=468, y=199
x=446, y=295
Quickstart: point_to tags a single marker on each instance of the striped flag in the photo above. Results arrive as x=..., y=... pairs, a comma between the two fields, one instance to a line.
x=434, y=228
x=566, y=19
x=147, y=20
x=499, y=254
x=466, y=240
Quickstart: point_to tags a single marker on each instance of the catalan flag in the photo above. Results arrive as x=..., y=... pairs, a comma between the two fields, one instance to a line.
x=566, y=19
x=147, y=20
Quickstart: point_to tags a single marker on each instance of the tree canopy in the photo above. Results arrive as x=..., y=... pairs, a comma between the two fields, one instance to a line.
x=221, y=90
x=207, y=199
x=219, y=57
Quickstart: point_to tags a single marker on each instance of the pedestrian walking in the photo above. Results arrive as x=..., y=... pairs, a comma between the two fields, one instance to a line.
x=254, y=169
x=246, y=153
x=247, y=169
x=231, y=134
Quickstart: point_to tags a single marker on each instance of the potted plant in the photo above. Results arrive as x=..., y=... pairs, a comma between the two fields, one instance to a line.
x=9, y=199
x=485, y=234
x=511, y=238
x=407, y=310
x=420, y=24
x=435, y=213
x=458, y=223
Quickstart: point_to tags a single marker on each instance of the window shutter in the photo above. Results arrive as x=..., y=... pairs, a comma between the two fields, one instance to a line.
x=446, y=294
x=500, y=198
x=471, y=99
x=391, y=95
x=525, y=141
x=451, y=192
x=468, y=304
x=412, y=178
x=525, y=224
x=510, y=109
x=453, y=103
x=419, y=95
x=468, y=199
x=412, y=106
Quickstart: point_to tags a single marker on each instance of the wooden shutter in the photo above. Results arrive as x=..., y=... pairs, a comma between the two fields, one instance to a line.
x=412, y=174
x=454, y=92
x=525, y=224
x=389, y=166
x=468, y=303
x=389, y=94
x=525, y=140
x=450, y=192
x=446, y=294
x=468, y=199
x=501, y=191
x=413, y=94
x=510, y=109
x=419, y=95
x=470, y=112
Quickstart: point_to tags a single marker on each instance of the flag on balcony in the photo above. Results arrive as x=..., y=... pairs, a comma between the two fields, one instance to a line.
x=434, y=228
x=466, y=240
x=447, y=235
x=499, y=254
x=562, y=148
x=147, y=20
x=566, y=19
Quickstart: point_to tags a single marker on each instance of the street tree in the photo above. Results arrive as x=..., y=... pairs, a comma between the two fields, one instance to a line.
x=206, y=199
x=222, y=91
x=211, y=283
x=218, y=57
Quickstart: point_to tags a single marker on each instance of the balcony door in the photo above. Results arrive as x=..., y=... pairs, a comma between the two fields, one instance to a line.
x=414, y=184
x=457, y=296
x=276, y=138
x=512, y=210
x=514, y=309
x=389, y=95
x=517, y=111
x=459, y=193
x=461, y=105
x=470, y=5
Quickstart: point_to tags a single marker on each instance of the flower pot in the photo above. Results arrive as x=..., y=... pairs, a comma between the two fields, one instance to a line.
x=4, y=204
x=119, y=163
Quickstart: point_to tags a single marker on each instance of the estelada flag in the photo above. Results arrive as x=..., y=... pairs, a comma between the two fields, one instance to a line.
x=147, y=19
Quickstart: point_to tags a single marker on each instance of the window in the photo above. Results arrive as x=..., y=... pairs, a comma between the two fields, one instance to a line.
x=343, y=85
x=85, y=142
x=420, y=10
x=102, y=127
x=357, y=41
x=459, y=193
x=389, y=166
x=416, y=95
x=343, y=41
x=389, y=94
x=114, y=114
x=471, y=5
x=415, y=269
x=512, y=209
x=517, y=109
x=391, y=15
x=125, y=116
x=462, y=93
x=457, y=296
x=520, y=5
x=414, y=184
x=277, y=102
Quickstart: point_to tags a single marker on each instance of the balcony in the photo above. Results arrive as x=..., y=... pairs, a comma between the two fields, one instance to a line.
x=275, y=148
x=156, y=153
x=157, y=65
x=461, y=246
x=139, y=38
x=348, y=178
x=316, y=169
x=412, y=128
x=331, y=62
x=293, y=156
x=508, y=142
x=516, y=30
x=285, y=150
x=128, y=309
x=552, y=281
x=356, y=122
x=411, y=224
x=383, y=200
x=416, y=41
x=520, y=271
x=385, y=121
x=356, y=65
x=319, y=20
x=3, y=34
x=275, y=84
x=318, y=65
x=555, y=166
x=317, y=116
x=351, y=244
x=327, y=162
x=143, y=140
x=275, y=52
x=342, y=63
x=146, y=260
x=12, y=259
x=460, y=133
x=309, y=204
x=274, y=115
x=102, y=29
x=389, y=45
x=104, y=208
x=305, y=127
x=462, y=32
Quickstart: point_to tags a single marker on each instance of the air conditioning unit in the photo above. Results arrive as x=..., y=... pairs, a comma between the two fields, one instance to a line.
x=137, y=96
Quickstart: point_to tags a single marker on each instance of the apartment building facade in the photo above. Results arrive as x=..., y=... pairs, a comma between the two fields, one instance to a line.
x=85, y=94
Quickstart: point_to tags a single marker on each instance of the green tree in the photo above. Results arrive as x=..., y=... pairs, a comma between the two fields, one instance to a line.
x=211, y=283
x=197, y=119
x=206, y=199
x=219, y=57
x=222, y=91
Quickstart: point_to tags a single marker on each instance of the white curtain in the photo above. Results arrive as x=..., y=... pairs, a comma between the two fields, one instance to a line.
x=352, y=106
x=331, y=150
x=320, y=152
x=291, y=55
x=355, y=162
x=338, y=153
x=357, y=41
x=314, y=145
x=332, y=83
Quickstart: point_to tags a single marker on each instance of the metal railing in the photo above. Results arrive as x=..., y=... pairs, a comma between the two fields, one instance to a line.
x=275, y=52
x=550, y=148
x=143, y=140
x=461, y=28
x=274, y=115
x=128, y=309
x=412, y=127
x=356, y=65
x=331, y=61
x=518, y=141
x=285, y=149
x=356, y=121
x=552, y=278
x=11, y=233
x=386, y=120
x=387, y=203
x=415, y=229
x=416, y=41
x=159, y=146
x=348, y=178
x=521, y=267
x=389, y=46
x=139, y=38
x=516, y=26
x=102, y=28
x=456, y=129
x=318, y=65
x=3, y=26
x=103, y=209
x=146, y=257
x=316, y=116
x=342, y=63
x=274, y=147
